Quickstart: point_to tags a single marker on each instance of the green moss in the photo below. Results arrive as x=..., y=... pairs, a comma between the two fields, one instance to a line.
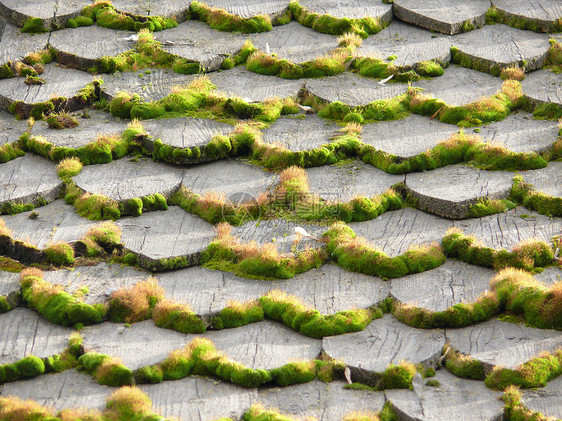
x=524, y=193
x=429, y=69
x=9, y=152
x=149, y=375
x=293, y=373
x=60, y=254
x=91, y=361
x=237, y=314
x=104, y=14
x=29, y=367
x=33, y=26
x=223, y=21
x=97, y=207
x=463, y=365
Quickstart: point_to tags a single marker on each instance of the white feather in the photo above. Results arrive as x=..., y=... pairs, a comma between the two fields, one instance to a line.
x=382, y=82
x=302, y=232
x=267, y=49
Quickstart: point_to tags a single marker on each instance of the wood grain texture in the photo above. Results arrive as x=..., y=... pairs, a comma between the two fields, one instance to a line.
x=251, y=8
x=547, y=180
x=544, y=13
x=550, y=275
x=451, y=191
x=165, y=234
x=10, y=128
x=411, y=45
x=125, y=179
x=349, y=9
x=15, y=45
x=394, y=232
x=55, y=222
x=300, y=134
x=407, y=137
x=438, y=289
x=442, y=15
x=454, y=399
x=24, y=333
x=352, y=89
x=460, y=86
x=9, y=283
x=196, y=41
x=546, y=400
x=385, y=341
x=343, y=182
x=295, y=42
x=504, y=344
x=176, y=9
x=504, y=46
x=543, y=86
x=19, y=183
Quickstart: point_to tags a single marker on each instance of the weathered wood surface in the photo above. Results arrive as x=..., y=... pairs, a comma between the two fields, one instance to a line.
x=350, y=9
x=447, y=17
x=505, y=230
x=295, y=42
x=176, y=9
x=394, y=232
x=550, y=275
x=165, y=234
x=520, y=132
x=92, y=125
x=196, y=41
x=51, y=12
x=408, y=137
x=19, y=184
x=250, y=8
x=410, y=44
x=69, y=389
x=451, y=191
x=83, y=47
x=352, y=89
x=24, y=332
x=242, y=83
x=543, y=13
x=505, y=344
x=100, y=280
x=343, y=182
x=238, y=181
x=547, y=180
x=323, y=401
x=300, y=133
x=9, y=283
x=504, y=46
x=10, y=128
x=54, y=222
x=547, y=400
x=125, y=179
x=385, y=341
x=460, y=86
x=438, y=289
x=543, y=86
x=454, y=399
x=15, y=45
x=200, y=399
x=153, y=85
x=265, y=345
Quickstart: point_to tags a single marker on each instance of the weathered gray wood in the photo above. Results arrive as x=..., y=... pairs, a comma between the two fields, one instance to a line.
x=174, y=9
x=92, y=124
x=352, y=89
x=451, y=191
x=9, y=283
x=355, y=9
x=394, y=232
x=520, y=132
x=196, y=41
x=454, y=399
x=238, y=181
x=547, y=180
x=124, y=179
x=278, y=231
x=54, y=222
x=323, y=401
x=295, y=42
x=153, y=85
x=166, y=234
x=544, y=13
x=265, y=345
x=200, y=399
x=438, y=289
x=15, y=45
x=546, y=400
x=505, y=230
x=51, y=12
x=69, y=389
x=28, y=179
x=503, y=344
x=300, y=133
x=25, y=333
x=101, y=280
x=550, y=275
x=250, y=8
x=83, y=47
x=460, y=86
x=185, y=132
x=385, y=341
x=344, y=181
x=442, y=16
x=410, y=44
x=409, y=137
x=543, y=86
x=242, y=83
x=504, y=46
x=10, y=128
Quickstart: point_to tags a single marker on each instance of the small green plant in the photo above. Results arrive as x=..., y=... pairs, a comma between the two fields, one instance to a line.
x=69, y=167
x=61, y=121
